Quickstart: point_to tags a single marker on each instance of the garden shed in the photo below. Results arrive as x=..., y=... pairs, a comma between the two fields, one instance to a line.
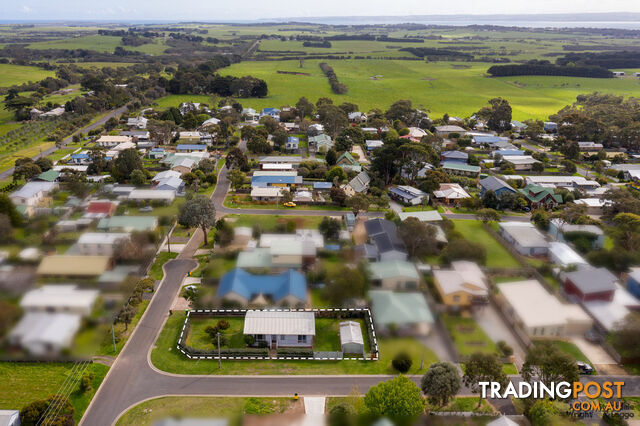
x=351, y=340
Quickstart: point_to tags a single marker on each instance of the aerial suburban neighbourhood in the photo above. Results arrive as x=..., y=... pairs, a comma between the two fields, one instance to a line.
x=325, y=222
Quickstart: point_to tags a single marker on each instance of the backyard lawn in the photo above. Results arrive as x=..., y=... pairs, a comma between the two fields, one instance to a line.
x=150, y=412
x=166, y=357
x=198, y=338
x=497, y=255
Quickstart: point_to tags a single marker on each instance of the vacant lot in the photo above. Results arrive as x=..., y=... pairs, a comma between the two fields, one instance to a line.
x=457, y=88
x=468, y=336
x=497, y=255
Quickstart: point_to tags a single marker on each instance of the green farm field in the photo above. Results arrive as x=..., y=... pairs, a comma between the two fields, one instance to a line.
x=18, y=74
x=456, y=88
x=99, y=43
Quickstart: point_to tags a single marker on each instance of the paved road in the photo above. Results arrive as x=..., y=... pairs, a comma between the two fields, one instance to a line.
x=85, y=129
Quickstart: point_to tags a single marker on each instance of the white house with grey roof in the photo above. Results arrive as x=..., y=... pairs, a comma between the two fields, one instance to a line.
x=281, y=328
x=524, y=237
x=358, y=185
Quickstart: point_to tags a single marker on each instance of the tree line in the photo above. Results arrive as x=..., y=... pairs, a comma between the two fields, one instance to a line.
x=337, y=87
x=547, y=68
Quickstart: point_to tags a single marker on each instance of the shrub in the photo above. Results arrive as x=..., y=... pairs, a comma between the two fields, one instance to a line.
x=249, y=340
x=402, y=362
x=223, y=324
x=298, y=352
x=504, y=348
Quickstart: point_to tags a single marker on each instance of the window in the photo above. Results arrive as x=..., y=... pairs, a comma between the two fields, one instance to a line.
x=259, y=336
x=302, y=339
x=456, y=298
x=283, y=337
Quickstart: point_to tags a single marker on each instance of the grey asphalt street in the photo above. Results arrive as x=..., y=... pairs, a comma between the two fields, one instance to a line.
x=85, y=129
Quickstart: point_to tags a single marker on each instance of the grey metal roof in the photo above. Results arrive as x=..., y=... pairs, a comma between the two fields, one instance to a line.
x=285, y=323
x=592, y=280
x=492, y=183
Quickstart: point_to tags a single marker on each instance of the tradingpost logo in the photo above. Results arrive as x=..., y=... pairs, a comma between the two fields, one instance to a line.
x=578, y=407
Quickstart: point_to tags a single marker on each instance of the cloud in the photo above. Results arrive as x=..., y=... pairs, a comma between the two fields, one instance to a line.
x=26, y=9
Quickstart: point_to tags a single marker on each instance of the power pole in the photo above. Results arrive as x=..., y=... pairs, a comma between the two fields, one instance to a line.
x=113, y=338
x=219, y=361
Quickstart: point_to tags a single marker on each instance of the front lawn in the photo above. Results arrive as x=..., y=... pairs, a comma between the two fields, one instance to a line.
x=468, y=336
x=198, y=338
x=156, y=273
x=243, y=202
x=23, y=382
x=568, y=348
x=497, y=255
x=466, y=404
x=154, y=410
x=269, y=222
x=166, y=357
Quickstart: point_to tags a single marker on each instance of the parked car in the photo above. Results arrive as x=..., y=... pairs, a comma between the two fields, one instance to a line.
x=592, y=336
x=146, y=209
x=584, y=368
x=290, y=204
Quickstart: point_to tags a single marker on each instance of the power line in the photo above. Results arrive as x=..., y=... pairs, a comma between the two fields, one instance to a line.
x=63, y=393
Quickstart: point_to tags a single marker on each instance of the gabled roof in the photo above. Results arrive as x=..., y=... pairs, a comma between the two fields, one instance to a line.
x=101, y=206
x=59, y=296
x=406, y=191
x=279, y=322
x=455, y=154
x=275, y=180
x=463, y=276
x=277, y=287
x=129, y=223
x=422, y=216
x=347, y=156
x=492, y=183
x=450, y=191
x=536, y=193
x=454, y=165
x=384, y=235
x=360, y=182
x=399, y=308
x=350, y=332
x=49, y=176
x=32, y=188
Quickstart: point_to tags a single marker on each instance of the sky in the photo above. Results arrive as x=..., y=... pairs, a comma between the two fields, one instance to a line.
x=217, y=10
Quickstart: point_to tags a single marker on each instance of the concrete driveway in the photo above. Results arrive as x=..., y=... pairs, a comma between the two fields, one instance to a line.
x=491, y=322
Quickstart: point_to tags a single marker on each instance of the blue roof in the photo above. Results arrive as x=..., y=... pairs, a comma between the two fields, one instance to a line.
x=277, y=287
x=266, y=180
x=157, y=149
x=191, y=146
x=508, y=152
x=455, y=154
x=270, y=111
x=80, y=156
x=404, y=194
x=322, y=185
x=490, y=139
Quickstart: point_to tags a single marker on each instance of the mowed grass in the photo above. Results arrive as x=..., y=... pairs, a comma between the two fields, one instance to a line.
x=457, y=88
x=166, y=357
x=18, y=74
x=468, y=337
x=269, y=222
x=175, y=100
x=497, y=255
x=23, y=383
x=8, y=161
x=149, y=412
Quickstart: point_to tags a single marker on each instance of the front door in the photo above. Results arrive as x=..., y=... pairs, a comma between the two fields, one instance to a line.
x=274, y=341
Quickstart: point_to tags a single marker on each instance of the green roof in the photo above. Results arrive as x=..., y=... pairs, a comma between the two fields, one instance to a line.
x=399, y=308
x=536, y=193
x=129, y=223
x=49, y=175
x=349, y=158
x=393, y=268
x=256, y=258
x=322, y=139
x=455, y=165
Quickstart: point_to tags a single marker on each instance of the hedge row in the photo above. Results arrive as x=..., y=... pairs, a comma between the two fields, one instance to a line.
x=337, y=87
x=299, y=352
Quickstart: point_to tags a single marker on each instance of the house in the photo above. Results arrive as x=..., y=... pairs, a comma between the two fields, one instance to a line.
x=633, y=281
x=270, y=193
x=569, y=182
x=524, y=237
x=558, y=228
x=292, y=144
x=520, y=162
x=59, y=298
x=100, y=243
x=455, y=156
x=450, y=193
x=164, y=196
x=563, y=255
x=460, y=169
x=210, y=122
x=402, y=313
x=171, y=183
x=73, y=266
x=408, y=195
x=250, y=114
x=588, y=283
x=518, y=126
x=350, y=221
x=48, y=176
x=608, y=314
x=322, y=186
x=80, y=158
x=99, y=209
x=496, y=185
x=271, y=112
x=136, y=135
x=191, y=147
x=282, y=254
x=539, y=313
x=33, y=194
x=351, y=340
x=45, y=334
x=372, y=144
x=358, y=185
x=422, y=216
x=109, y=141
x=506, y=153
x=550, y=127
x=618, y=73
x=492, y=141
x=590, y=147
x=284, y=167
x=540, y=196
x=595, y=206
x=183, y=165
x=186, y=107
x=321, y=143
x=138, y=122
x=128, y=223
x=287, y=288
x=281, y=328
x=346, y=161
x=164, y=175
x=157, y=153
x=275, y=179
x=394, y=275
x=447, y=130
x=312, y=236
x=462, y=286
x=295, y=160
x=357, y=117
x=383, y=234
